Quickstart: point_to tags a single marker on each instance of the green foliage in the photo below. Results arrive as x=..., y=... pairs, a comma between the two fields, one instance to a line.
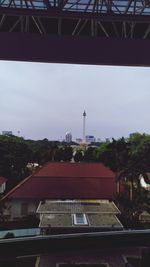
x=113, y=154
x=128, y=157
x=89, y=154
x=14, y=156
x=58, y=154
x=42, y=150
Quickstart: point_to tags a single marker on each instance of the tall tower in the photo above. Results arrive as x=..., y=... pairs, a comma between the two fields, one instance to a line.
x=84, y=118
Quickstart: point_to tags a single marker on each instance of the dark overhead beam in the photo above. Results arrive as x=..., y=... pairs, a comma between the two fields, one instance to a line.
x=58, y=13
x=74, y=49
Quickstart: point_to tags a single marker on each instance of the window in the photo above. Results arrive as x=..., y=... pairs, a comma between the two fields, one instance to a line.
x=80, y=219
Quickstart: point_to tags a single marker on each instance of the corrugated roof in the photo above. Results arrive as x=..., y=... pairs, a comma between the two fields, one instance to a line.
x=94, y=220
x=77, y=206
x=67, y=180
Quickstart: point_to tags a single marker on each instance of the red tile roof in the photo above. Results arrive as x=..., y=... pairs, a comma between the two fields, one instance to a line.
x=68, y=169
x=67, y=181
x=2, y=180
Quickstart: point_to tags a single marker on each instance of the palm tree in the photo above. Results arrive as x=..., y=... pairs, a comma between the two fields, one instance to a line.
x=131, y=175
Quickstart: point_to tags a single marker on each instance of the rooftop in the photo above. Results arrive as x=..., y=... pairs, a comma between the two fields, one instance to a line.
x=77, y=206
x=100, y=213
x=62, y=180
x=70, y=170
x=66, y=220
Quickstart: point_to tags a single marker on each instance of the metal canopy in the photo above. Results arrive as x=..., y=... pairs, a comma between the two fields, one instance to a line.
x=79, y=24
x=104, y=18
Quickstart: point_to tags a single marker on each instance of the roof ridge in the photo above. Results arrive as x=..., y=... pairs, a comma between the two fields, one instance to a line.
x=16, y=187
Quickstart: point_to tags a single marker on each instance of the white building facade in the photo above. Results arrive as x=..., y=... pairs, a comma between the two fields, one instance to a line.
x=90, y=139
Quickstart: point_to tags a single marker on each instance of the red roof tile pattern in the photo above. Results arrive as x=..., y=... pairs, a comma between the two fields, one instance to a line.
x=67, y=181
x=82, y=169
x=2, y=180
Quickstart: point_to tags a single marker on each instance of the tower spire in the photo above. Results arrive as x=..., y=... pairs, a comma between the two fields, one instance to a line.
x=84, y=119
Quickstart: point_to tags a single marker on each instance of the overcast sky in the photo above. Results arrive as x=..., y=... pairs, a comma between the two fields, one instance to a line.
x=47, y=100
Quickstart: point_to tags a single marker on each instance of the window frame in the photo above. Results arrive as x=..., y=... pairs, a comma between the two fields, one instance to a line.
x=75, y=222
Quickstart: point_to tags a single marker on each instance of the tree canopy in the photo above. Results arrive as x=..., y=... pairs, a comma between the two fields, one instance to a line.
x=124, y=156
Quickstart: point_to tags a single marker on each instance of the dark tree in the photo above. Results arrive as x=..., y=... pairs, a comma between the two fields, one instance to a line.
x=58, y=154
x=89, y=155
x=67, y=153
x=78, y=156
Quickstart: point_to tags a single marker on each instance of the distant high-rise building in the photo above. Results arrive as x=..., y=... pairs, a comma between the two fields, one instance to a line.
x=7, y=133
x=68, y=137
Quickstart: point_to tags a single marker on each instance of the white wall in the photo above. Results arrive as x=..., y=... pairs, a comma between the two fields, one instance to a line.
x=16, y=207
x=2, y=188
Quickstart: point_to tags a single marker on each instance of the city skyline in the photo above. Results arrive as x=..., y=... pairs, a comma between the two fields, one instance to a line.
x=45, y=100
